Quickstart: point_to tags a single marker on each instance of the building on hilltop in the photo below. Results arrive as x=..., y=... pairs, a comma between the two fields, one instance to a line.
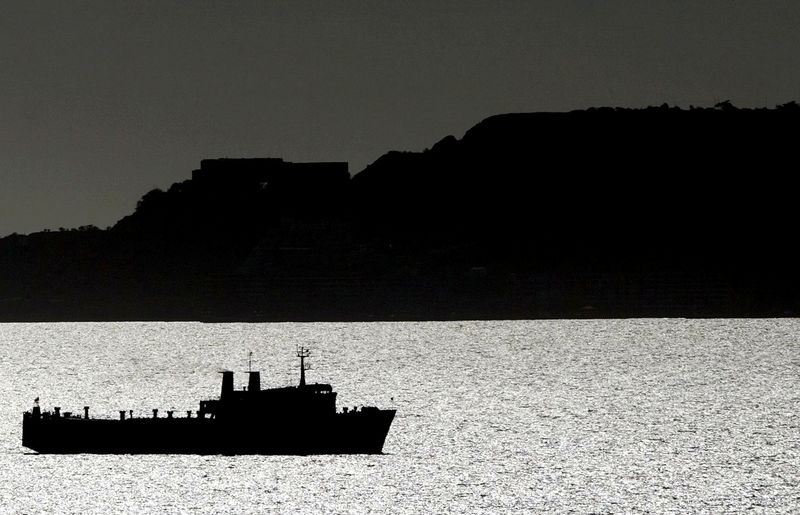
x=249, y=173
x=291, y=191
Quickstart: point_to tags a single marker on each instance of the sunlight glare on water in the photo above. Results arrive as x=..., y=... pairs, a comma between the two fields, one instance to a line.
x=507, y=416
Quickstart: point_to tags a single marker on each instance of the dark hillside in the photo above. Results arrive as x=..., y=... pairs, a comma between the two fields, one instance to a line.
x=604, y=212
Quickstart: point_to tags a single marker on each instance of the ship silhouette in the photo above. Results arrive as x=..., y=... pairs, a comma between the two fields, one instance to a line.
x=297, y=420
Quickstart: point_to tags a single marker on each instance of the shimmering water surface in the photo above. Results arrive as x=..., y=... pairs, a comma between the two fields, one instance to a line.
x=496, y=417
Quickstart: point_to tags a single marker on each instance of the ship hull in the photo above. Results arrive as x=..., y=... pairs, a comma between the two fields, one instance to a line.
x=362, y=432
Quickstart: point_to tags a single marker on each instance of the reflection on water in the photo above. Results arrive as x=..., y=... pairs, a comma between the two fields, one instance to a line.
x=607, y=415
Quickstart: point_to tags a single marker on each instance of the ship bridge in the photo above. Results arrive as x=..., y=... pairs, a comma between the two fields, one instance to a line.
x=304, y=400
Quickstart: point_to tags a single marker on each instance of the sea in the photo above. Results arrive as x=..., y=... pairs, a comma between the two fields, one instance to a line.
x=556, y=416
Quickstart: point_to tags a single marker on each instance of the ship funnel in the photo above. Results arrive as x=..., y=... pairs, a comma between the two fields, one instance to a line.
x=227, y=384
x=254, y=382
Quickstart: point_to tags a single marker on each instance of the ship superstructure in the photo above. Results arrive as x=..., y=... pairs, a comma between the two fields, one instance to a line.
x=300, y=419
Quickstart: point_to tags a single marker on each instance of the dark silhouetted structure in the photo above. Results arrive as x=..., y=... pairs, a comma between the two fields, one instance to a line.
x=290, y=420
x=598, y=213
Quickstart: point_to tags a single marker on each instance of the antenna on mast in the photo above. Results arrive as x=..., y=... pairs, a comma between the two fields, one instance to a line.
x=250, y=362
x=303, y=353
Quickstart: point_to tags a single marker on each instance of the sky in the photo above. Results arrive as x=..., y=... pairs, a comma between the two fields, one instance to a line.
x=102, y=101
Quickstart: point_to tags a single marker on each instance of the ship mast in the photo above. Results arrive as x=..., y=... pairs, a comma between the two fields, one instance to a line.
x=303, y=353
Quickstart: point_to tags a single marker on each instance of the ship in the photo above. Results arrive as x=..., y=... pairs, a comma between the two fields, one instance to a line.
x=291, y=420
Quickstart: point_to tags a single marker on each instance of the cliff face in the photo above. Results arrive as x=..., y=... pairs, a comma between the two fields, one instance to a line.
x=604, y=212
x=606, y=177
